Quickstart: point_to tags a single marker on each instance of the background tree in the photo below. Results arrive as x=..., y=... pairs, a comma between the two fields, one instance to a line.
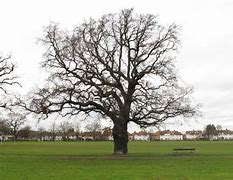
x=4, y=128
x=120, y=66
x=53, y=130
x=15, y=121
x=65, y=128
x=218, y=127
x=94, y=128
x=210, y=131
x=41, y=133
x=77, y=130
x=24, y=133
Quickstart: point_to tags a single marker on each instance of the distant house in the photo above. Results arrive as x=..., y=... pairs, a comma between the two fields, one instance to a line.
x=171, y=135
x=107, y=134
x=193, y=135
x=131, y=136
x=73, y=137
x=155, y=136
x=141, y=136
x=87, y=136
x=6, y=137
x=58, y=138
x=225, y=134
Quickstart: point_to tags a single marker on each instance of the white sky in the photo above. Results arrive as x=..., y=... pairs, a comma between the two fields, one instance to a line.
x=205, y=60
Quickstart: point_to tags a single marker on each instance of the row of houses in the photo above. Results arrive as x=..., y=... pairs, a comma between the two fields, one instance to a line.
x=106, y=134
x=83, y=136
x=178, y=136
x=159, y=135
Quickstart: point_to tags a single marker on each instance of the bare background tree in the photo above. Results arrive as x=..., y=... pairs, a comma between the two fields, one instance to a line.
x=53, y=129
x=4, y=127
x=120, y=66
x=41, y=133
x=94, y=128
x=65, y=128
x=24, y=133
x=218, y=127
x=15, y=121
x=77, y=130
x=209, y=131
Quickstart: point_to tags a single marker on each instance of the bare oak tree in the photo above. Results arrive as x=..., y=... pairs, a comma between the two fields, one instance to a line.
x=94, y=128
x=53, y=130
x=15, y=121
x=65, y=128
x=121, y=66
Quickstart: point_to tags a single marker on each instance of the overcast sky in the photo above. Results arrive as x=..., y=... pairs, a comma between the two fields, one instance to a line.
x=205, y=59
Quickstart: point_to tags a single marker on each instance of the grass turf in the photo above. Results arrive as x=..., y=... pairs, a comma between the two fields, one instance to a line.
x=93, y=160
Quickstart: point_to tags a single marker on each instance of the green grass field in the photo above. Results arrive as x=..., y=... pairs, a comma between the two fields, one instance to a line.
x=93, y=160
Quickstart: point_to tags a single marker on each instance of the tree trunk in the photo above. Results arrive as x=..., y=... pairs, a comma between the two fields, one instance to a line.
x=15, y=135
x=120, y=136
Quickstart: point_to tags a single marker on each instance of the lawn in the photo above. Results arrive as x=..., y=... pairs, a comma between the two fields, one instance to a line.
x=93, y=160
